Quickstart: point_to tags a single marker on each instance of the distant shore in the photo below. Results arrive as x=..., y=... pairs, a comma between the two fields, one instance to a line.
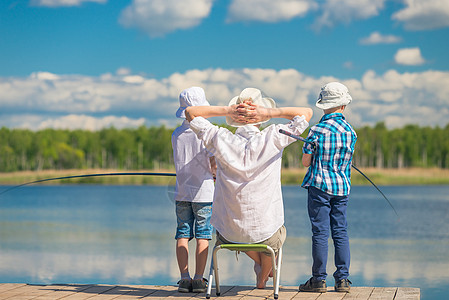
x=404, y=176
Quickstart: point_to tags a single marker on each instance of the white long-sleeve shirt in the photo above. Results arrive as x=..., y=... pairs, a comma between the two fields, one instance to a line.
x=194, y=179
x=248, y=206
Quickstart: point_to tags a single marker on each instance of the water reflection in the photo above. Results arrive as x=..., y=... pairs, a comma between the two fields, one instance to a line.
x=124, y=235
x=394, y=263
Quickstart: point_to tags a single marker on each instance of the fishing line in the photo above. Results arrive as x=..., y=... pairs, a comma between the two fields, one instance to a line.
x=89, y=175
x=297, y=137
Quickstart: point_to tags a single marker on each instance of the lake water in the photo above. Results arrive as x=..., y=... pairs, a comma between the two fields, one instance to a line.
x=125, y=235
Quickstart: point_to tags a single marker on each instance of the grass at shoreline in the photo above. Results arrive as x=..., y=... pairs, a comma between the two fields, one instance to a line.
x=405, y=176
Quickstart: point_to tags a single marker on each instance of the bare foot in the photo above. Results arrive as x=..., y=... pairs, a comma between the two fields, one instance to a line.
x=261, y=282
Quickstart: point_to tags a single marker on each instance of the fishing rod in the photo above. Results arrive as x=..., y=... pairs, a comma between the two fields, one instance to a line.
x=297, y=137
x=89, y=175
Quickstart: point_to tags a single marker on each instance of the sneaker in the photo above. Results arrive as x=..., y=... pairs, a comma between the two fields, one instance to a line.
x=343, y=285
x=314, y=286
x=185, y=285
x=199, y=285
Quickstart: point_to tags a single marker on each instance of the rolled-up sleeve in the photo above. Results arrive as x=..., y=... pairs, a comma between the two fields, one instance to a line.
x=307, y=148
x=296, y=126
x=205, y=131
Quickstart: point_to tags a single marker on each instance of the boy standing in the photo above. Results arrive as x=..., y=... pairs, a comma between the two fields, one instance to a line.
x=328, y=183
x=194, y=194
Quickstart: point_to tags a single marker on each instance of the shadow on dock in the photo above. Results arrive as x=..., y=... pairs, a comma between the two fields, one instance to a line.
x=104, y=292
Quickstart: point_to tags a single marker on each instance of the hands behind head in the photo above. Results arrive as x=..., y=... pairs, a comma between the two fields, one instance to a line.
x=248, y=112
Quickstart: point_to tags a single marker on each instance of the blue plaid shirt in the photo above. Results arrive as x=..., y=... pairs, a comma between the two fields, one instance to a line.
x=330, y=170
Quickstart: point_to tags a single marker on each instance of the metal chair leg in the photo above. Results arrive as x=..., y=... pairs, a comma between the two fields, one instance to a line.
x=276, y=265
x=213, y=271
x=277, y=271
x=211, y=275
x=217, y=280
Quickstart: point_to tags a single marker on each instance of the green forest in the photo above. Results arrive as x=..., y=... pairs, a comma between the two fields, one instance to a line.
x=149, y=148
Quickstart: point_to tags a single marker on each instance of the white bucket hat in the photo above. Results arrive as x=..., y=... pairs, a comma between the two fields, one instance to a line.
x=257, y=97
x=333, y=94
x=193, y=96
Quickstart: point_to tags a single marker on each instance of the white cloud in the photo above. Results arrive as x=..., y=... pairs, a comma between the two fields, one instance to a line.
x=80, y=94
x=133, y=79
x=409, y=57
x=159, y=17
x=268, y=10
x=58, y=3
x=400, y=99
x=345, y=11
x=123, y=71
x=68, y=101
x=88, y=122
x=424, y=14
x=70, y=121
x=377, y=38
x=44, y=76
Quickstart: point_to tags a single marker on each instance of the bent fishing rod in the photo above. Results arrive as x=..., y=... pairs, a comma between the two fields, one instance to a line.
x=297, y=137
x=89, y=175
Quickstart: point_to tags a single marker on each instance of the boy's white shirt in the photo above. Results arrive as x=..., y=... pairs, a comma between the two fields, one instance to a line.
x=194, y=179
x=248, y=206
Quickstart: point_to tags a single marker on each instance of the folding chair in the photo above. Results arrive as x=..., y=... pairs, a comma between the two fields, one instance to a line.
x=244, y=247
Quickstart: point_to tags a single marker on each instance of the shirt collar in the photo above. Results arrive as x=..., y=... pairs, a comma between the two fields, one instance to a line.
x=247, y=131
x=337, y=116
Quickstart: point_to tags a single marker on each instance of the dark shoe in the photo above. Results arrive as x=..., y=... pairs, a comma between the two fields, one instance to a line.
x=199, y=285
x=314, y=286
x=343, y=285
x=185, y=285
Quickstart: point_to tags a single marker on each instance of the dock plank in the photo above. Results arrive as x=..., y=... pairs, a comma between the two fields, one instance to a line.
x=4, y=287
x=404, y=293
x=359, y=293
x=235, y=292
x=383, y=293
x=257, y=294
x=61, y=291
x=20, y=291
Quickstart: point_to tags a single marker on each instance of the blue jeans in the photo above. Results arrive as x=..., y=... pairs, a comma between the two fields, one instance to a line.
x=328, y=212
x=193, y=219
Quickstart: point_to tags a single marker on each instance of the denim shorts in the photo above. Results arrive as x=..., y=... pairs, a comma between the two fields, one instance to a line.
x=193, y=220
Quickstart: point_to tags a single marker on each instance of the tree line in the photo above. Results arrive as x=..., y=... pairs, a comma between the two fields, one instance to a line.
x=150, y=148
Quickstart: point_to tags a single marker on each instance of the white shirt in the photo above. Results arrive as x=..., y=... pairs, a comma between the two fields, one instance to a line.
x=194, y=179
x=248, y=205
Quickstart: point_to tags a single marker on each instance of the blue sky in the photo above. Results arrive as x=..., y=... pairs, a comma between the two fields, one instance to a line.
x=97, y=63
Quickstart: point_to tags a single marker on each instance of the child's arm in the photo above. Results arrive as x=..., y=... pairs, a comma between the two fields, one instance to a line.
x=205, y=111
x=307, y=159
x=237, y=112
x=256, y=113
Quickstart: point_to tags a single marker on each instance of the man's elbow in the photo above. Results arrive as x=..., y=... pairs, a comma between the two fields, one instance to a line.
x=189, y=114
x=308, y=114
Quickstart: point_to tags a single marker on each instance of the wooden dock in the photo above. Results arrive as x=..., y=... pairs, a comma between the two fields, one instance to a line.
x=19, y=291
